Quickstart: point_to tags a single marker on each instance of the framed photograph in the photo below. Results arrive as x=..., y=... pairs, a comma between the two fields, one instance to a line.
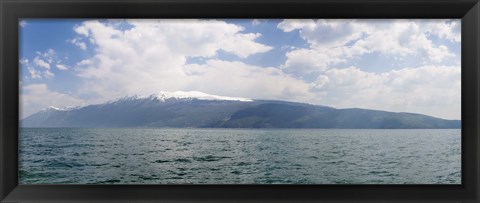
x=239, y=101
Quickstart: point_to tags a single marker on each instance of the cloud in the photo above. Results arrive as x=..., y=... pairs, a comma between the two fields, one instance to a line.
x=77, y=42
x=82, y=30
x=23, y=61
x=61, y=67
x=48, y=74
x=450, y=29
x=34, y=73
x=151, y=55
x=41, y=63
x=309, y=60
x=289, y=25
x=335, y=41
x=256, y=22
x=50, y=55
x=431, y=90
x=239, y=79
x=188, y=38
x=324, y=33
x=34, y=98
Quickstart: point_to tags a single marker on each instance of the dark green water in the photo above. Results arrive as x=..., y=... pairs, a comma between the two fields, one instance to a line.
x=239, y=156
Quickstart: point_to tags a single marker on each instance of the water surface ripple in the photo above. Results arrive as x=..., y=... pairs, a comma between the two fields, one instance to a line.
x=239, y=156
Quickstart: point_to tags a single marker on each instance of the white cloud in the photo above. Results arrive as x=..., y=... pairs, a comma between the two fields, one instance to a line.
x=227, y=78
x=256, y=22
x=77, y=42
x=34, y=98
x=61, y=67
x=50, y=55
x=48, y=74
x=150, y=56
x=84, y=62
x=324, y=33
x=82, y=45
x=188, y=38
x=289, y=25
x=248, y=45
x=334, y=41
x=431, y=90
x=41, y=63
x=23, y=61
x=309, y=60
x=438, y=54
x=81, y=30
x=450, y=30
x=34, y=73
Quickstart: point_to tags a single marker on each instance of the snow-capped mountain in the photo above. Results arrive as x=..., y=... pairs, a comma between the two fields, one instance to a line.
x=179, y=96
x=196, y=95
x=53, y=108
x=197, y=109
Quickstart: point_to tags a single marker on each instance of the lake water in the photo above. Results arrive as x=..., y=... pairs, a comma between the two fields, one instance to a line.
x=239, y=156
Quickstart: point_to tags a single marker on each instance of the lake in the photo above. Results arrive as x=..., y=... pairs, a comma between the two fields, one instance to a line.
x=239, y=156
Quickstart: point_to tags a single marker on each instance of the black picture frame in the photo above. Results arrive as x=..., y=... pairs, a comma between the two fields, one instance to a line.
x=12, y=10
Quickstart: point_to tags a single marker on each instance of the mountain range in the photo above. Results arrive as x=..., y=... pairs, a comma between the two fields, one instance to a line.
x=200, y=110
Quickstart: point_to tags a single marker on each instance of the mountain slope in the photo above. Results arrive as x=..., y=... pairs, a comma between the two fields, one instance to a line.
x=202, y=110
x=273, y=115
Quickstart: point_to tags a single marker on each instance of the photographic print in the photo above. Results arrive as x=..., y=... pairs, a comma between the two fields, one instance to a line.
x=240, y=101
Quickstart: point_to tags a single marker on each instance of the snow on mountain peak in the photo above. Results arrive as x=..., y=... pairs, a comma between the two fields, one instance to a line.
x=60, y=109
x=53, y=108
x=163, y=95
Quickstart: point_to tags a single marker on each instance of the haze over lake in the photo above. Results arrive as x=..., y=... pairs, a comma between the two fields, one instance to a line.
x=239, y=156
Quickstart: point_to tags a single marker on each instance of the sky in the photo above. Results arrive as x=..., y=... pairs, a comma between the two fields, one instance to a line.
x=393, y=65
